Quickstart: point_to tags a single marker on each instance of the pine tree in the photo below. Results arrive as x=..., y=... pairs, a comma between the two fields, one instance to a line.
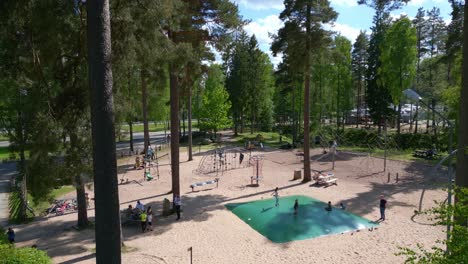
x=302, y=32
x=461, y=178
x=102, y=119
x=378, y=97
x=421, y=33
x=359, y=65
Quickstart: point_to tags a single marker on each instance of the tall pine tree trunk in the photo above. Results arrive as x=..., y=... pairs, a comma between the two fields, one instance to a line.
x=399, y=119
x=174, y=99
x=189, y=117
x=461, y=178
x=22, y=166
x=144, y=103
x=106, y=193
x=307, y=175
x=434, y=127
x=130, y=126
x=79, y=185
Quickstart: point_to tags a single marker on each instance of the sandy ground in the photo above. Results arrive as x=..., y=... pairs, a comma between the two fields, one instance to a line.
x=218, y=236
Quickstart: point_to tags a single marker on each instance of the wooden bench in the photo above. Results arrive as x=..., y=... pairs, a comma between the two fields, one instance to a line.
x=199, y=184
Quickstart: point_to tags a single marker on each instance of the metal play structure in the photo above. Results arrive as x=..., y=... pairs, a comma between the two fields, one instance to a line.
x=219, y=160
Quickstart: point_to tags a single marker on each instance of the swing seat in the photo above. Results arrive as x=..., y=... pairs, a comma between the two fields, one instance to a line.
x=148, y=176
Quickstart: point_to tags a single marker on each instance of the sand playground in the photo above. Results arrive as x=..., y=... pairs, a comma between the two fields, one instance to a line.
x=216, y=235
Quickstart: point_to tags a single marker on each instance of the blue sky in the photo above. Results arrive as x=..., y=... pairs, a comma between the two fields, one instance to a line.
x=351, y=17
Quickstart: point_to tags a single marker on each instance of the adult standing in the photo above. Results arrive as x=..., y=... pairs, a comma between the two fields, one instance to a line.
x=177, y=203
x=383, y=206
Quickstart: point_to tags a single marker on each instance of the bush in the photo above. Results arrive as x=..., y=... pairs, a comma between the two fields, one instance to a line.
x=9, y=254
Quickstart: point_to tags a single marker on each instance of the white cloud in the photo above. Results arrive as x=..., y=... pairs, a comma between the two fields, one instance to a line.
x=344, y=3
x=422, y=2
x=261, y=4
x=263, y=28
x=347, y=31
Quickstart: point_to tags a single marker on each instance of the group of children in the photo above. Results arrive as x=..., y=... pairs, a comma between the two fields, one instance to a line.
x=139, y=213
x=146, y=217
x=329, y=207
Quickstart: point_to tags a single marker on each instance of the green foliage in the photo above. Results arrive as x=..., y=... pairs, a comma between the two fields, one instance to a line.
x=216, y=104
x=378, y=97
x=11, y=255
x=398, y=58
x=249, y=81
x=457, y=216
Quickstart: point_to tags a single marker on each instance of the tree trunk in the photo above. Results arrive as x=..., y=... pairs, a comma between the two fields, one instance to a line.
x=174, y=97
x=307, y=175
x=79, y=185
x=293, y=125
x=461, y=178
x=242, y=122
x=130, y=126
x=416, y=118
x=399, y=119
x=144, y=103
x=81, y=200
x=24, y=186
x=434, y=127
x=252, y=121
x=106, y=193
x=236, y=124
x=183, y=122
x=358, y=104
x=427, y=119
x=189, y=118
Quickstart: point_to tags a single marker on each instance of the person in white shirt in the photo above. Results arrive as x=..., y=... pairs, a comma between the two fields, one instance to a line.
x=149, y=219
x=140, y=206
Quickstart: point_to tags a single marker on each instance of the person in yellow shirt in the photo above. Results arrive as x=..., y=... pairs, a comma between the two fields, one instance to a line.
x=143, y=217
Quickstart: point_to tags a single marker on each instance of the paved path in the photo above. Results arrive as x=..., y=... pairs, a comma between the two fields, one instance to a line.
x=6, y=171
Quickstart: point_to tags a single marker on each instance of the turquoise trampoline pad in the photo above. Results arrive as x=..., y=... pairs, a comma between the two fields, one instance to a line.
x=280, y=225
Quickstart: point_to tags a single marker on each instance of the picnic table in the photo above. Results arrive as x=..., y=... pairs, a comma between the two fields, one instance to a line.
x=425, y=154
x=322, y=178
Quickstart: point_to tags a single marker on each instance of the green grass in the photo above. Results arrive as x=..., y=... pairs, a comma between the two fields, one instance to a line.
x=270, y=139
x=403, y=155
x=152, y=127
x=43, y=205
x=3, y=138
x=38, y=208
x=6, y=155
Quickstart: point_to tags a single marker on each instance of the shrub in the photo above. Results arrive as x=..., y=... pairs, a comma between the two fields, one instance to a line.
x=9, y=254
